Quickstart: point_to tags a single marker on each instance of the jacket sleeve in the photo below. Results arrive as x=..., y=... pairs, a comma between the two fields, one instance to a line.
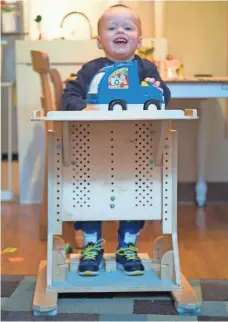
x=153, y=73
x=74, y=94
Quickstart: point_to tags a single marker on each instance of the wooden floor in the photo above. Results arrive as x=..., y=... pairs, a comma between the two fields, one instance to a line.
x=15, y=176
x=203, y=239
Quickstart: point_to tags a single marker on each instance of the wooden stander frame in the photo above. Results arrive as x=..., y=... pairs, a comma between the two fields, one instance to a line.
x=115, y=165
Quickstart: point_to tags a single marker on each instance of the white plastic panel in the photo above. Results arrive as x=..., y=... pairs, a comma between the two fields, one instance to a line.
x=112, y=174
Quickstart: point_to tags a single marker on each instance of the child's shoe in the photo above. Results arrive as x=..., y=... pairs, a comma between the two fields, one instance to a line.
x=128, y=260
x=91, y=259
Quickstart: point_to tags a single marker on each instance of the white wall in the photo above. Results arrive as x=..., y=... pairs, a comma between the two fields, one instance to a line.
x=197, y=33
x=145, y=9
x=53, y=11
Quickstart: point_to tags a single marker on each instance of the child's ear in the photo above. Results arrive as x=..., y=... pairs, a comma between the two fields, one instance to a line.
x=99, y=44
x=139, y=45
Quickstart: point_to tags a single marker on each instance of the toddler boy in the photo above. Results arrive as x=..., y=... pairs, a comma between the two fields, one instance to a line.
x=119, y=35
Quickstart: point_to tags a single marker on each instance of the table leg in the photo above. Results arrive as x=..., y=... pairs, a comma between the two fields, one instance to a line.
x=201, y=185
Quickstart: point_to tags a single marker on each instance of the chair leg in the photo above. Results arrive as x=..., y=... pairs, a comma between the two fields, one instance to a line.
x=79, y=239
x=75, y=238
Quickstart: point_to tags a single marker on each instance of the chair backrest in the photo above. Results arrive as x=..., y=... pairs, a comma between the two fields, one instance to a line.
x=58, y=86
x=41, y=65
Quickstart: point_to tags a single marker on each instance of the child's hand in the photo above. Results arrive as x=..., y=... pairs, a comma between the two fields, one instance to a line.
x=64, y=82
x=90, y=108
x=155, y=83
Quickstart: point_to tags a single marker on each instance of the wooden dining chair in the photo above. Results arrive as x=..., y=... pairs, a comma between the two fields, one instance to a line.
x=58, y=86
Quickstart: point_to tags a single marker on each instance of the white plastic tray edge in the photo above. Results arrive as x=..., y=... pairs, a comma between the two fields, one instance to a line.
x=115, y=115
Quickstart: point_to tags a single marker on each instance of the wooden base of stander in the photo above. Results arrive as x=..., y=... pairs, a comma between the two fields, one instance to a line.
x=113, y=280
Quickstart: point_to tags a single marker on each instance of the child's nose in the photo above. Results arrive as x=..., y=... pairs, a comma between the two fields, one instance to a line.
x=120, y=29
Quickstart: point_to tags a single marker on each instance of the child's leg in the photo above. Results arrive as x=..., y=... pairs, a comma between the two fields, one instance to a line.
x=129, y=231
x=127, y=257
x=91, y=230
x=79, y=244
x=92, y=253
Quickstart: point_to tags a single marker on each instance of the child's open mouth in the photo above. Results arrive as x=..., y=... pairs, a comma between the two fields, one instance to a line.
x=120, y=41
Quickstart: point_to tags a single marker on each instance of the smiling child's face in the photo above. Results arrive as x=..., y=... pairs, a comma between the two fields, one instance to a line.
x=119, y=33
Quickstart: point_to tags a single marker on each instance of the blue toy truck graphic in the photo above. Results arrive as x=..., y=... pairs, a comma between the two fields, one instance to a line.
x=118, y=85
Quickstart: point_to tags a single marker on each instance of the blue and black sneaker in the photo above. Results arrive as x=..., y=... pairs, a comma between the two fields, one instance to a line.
x=91, y=259
x=128, y=260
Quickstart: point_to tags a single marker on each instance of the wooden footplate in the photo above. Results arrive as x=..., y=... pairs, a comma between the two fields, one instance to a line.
x=157, y=278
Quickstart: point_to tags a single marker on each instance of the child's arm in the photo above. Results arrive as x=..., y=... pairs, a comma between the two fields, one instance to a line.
x=153, y=73
x=74, y=94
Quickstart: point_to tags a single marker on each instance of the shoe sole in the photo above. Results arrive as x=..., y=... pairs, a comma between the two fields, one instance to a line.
x=88, y=273
x=91, y=273
x=135, y=273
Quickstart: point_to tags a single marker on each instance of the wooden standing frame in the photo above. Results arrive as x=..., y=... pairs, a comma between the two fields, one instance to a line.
x=122, y=165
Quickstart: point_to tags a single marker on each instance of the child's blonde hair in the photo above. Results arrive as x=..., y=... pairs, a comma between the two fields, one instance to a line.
x=120, y=6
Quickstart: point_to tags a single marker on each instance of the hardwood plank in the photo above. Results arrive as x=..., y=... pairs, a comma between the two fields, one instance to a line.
x=15, y=175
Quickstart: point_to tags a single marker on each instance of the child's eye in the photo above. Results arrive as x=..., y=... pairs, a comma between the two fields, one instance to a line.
x=128, y=28
x=111, y=28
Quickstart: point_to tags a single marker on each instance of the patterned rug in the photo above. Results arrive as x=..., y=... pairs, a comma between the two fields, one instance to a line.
x=17, y=296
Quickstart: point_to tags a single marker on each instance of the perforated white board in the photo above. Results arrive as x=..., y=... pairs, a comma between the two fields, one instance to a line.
x=113, y=174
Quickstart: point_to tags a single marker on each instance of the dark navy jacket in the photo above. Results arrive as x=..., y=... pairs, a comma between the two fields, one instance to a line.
x=74, y=94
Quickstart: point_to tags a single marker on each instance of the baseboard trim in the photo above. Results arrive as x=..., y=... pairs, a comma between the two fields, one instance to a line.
x=5, y=156
x=216, y=192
